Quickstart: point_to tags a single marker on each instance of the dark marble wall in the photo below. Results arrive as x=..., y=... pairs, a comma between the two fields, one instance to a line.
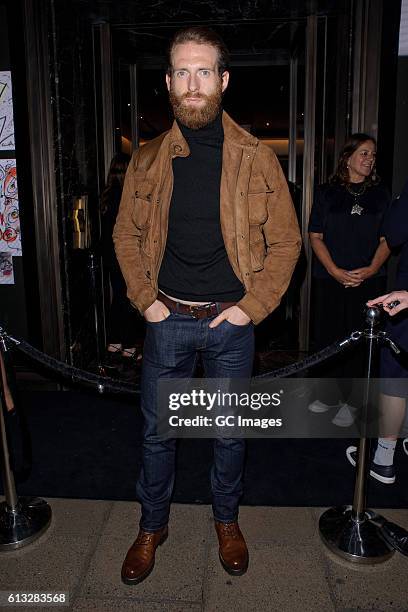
x=72, y=83
x=71, y=53
x=160, y=11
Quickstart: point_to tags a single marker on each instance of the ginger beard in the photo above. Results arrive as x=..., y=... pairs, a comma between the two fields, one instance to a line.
x=200, y=116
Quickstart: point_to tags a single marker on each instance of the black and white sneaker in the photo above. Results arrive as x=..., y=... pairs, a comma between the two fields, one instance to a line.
x=405, y=445
x=383, y=473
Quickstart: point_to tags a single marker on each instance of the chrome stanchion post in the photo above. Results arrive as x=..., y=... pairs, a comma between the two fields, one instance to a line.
x=24, y=519
x=349, y=531
x=359, y=501
x=6, y=472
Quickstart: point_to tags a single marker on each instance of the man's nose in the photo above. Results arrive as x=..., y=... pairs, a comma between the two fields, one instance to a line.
x=193, y=84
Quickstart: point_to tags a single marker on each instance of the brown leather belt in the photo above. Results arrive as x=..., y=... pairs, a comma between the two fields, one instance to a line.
x=198, y=312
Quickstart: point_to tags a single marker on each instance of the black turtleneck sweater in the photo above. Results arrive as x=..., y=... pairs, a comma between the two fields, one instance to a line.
x=195, y=264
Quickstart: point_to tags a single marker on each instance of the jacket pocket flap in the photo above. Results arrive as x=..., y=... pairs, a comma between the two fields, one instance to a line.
x=145, y=190
x=258, y=185
x=144, y=198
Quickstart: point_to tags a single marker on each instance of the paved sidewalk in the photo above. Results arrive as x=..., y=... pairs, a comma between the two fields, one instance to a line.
x=83, y=550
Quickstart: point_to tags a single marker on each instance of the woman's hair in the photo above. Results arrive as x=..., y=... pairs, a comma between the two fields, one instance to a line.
x=341, y=174
x=201, y=36
x=116, y=176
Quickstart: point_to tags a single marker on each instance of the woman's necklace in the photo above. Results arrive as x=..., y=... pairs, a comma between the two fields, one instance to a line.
x=356, y=209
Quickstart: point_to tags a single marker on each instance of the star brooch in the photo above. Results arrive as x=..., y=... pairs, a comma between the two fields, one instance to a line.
x=356, y=210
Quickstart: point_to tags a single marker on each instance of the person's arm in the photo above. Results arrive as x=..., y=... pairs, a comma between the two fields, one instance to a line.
x=282, y=242
x=388, y=301
x=322, y=253
x=127, y=240
x=380, y=256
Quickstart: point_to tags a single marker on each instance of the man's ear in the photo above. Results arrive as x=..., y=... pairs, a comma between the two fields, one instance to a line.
x=168, y=81
x=225, y=80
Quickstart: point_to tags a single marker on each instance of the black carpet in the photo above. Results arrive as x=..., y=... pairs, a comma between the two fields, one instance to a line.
x=88, y=446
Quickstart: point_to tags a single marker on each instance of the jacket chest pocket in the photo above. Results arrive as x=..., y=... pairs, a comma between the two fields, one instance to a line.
x=144, y=203
x=257, y=200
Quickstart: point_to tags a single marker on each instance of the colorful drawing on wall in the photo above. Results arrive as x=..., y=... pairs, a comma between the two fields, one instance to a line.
x=6, y=112
x=10, y=238
x=6, y=269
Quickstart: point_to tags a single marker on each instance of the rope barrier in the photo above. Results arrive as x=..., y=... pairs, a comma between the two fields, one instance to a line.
x=112, y=385
x=312, y=360
x=75, y=375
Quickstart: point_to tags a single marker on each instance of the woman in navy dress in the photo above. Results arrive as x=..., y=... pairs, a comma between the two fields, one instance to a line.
x=348, y=268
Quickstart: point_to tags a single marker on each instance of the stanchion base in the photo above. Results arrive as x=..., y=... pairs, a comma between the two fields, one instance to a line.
x=25, y=524
x=355, y=541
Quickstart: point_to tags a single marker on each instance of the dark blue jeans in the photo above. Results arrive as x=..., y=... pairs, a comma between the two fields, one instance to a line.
x=170, y=351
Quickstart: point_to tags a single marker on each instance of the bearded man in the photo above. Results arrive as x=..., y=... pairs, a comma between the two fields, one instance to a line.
x=207, y=239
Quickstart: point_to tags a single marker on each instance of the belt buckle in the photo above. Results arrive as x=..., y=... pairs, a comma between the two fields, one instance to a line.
x=195, y=310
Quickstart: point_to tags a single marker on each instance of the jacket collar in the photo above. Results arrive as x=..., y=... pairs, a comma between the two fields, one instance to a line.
x=232, y=133
x=236, y=134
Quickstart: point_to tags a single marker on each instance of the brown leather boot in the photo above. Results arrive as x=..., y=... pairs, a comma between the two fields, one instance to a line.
x=233, y=551
x=139, y=560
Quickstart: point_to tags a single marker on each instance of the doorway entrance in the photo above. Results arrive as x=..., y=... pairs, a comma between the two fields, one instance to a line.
x=288, y=87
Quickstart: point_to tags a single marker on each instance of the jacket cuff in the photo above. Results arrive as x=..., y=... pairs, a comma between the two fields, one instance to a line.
x=143, y=299
x=253, y=308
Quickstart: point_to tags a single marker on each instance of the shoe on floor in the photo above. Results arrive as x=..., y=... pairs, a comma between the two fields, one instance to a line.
x=114, y=348
x=383, y=473
x=405, y=445
x=345, y=416
x=129, y=352
x=233, y=551
x=318, y=406
x=139, y=560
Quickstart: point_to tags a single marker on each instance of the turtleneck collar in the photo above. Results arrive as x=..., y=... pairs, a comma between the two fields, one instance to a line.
x=212, y=131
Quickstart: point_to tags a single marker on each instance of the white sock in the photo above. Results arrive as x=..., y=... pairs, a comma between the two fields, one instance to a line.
x=384, y=455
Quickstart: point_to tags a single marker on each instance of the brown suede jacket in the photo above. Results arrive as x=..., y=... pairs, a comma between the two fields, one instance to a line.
x=258, y=220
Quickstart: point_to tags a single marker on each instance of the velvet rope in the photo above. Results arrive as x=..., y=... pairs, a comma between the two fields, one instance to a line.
x=111, y=385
